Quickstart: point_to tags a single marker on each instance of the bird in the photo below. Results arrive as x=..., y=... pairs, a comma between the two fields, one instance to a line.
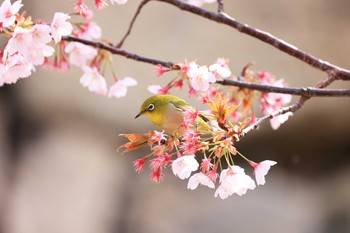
x=167, y=112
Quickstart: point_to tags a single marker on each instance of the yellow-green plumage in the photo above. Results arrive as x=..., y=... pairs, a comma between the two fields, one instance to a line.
x=166, y=111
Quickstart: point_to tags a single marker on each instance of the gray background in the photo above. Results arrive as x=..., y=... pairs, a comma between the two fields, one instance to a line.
x=59, y=169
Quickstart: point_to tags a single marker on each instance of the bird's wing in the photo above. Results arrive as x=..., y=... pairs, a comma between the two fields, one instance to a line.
x=180, y=104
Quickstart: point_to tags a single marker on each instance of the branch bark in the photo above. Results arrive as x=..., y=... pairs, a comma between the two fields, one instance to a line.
x=223, y=18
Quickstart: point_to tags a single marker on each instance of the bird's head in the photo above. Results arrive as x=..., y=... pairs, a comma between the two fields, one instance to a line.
x=155, y=108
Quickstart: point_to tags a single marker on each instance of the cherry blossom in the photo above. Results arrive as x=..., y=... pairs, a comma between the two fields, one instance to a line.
x=93, y=80
x=200, y=77
x=234, y=180
x=41, y=35
x=271, y=102
x=15, y=67
x=89, y=31
x=139, y=164
x=79, y=53
x=158, y=90
x=184, y=165
x=261, y=169
x=120, y=87
x=100, y=4
x=157, y=175
x=199, y=178
x=60, y=26
x=82, y=9
x=160, y=70
x=20, y=41
x=220, y=71
x=8, y=12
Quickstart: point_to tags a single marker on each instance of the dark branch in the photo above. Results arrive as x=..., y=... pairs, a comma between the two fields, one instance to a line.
x=142, y=4
x=118, y=51
x=292, y=108
x=220, y=6
x=306, y=91
x=223, y=18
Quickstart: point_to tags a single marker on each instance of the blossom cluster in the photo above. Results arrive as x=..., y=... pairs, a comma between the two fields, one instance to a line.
x=200, y=80
x=30, y=44
x=215, y=145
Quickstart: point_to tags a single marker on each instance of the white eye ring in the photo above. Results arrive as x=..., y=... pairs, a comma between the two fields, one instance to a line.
x=150, y=107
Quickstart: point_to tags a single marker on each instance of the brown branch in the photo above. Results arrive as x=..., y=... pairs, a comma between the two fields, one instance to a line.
x=305, y=91
x=292, y=108
x=142, y=4
x=223, y=18
x=220, y=6
x=119, y=51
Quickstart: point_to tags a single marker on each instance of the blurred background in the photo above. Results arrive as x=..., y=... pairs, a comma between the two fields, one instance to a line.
x=59, y=168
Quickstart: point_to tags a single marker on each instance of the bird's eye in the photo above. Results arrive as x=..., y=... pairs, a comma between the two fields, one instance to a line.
x=150, y=107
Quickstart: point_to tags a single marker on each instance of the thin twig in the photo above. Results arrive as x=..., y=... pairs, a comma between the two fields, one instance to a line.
x=291, y=108
x=223, y=18
x=143, y=3
x=220, y=6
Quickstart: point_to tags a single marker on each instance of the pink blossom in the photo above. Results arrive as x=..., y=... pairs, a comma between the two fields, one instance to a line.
x=2, y=72
x=120, y=87
x=93, y=80
x=82, y=9
x=160, y=70
x=199, y=178
x=206, y=165
x=157, y=175
x=139, y=164
x=200, y=77
x=100, y=4
x=184, y=165
x=212, y=174
x=160, y=161
x=20, y=41
x=89, y=31
x=119, y=2
x=59, y=63
x=41, y=35
x=158, y=90
x=8, y=12
x=220, y=71
x=60, y=27
x=190, y=143
x=79, y=53
x=37, y=56
x=277, y=121
x=158, y=137
x=15, y=67
x=271, y=102
x=234, y=180
x=189, y=118
x=261, y=169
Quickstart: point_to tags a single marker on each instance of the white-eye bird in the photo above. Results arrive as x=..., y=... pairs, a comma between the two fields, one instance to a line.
x=166, y=111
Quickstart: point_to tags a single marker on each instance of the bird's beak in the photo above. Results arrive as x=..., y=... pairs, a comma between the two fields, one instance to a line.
x=139, y=114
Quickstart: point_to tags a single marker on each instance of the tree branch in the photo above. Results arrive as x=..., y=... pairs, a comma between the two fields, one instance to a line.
x=223, y=18
x=305, y=91
x=119, y=51
x=142, y=4
x=291, y=108
x=220, y=6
